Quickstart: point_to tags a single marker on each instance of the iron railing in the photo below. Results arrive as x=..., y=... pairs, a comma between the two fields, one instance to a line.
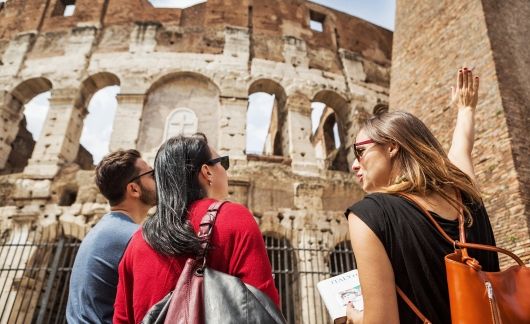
x=35, y=269
x=35, y=272
x=297, y=284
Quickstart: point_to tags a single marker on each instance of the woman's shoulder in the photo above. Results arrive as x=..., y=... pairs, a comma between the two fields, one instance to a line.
x=137, y=242
x=231, y=216
x=375, y=202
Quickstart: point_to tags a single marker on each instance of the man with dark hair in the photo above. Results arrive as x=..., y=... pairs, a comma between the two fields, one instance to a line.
x=127, y=181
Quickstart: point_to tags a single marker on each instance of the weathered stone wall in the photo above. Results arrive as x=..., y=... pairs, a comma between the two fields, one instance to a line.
x=207, y=58
x=180, y=91
x=431, y=41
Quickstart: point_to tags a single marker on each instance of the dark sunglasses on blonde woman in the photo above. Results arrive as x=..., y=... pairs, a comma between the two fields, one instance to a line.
x=225, y=161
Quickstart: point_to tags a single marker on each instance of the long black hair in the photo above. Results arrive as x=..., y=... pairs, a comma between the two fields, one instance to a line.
x=177, y=165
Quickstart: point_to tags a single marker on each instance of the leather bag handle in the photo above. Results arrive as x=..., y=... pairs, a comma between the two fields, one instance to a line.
x=206, y=229
x=462, y=244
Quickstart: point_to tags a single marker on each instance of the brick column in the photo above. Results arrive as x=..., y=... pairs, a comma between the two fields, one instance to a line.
x=424, y=66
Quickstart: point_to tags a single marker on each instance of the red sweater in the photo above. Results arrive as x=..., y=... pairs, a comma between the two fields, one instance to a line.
x=146, y=276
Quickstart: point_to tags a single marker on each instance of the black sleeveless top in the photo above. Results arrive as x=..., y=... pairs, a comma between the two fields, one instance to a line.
x=416, y=250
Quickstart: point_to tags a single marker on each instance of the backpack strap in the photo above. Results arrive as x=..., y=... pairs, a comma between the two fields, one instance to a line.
x=206, y=229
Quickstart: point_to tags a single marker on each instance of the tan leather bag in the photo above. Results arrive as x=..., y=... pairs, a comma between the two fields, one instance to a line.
x=478, y=296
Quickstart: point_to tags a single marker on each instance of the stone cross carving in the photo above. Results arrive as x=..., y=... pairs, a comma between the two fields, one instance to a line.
x=182, y=121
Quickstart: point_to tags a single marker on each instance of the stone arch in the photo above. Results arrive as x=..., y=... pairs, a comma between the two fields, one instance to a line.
x=285, y=269
x=193, y=91
x=276, y=141
x=86, y=115
x=94, y=83
x=331, y=137
x=13, y=130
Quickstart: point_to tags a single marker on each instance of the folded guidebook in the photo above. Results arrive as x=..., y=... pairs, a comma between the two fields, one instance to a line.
x=338, y=291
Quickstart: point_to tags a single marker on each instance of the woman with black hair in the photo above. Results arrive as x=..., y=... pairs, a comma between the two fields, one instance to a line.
x=189, y=176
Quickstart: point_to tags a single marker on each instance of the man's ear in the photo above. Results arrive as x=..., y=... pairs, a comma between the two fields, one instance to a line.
x=133, y=190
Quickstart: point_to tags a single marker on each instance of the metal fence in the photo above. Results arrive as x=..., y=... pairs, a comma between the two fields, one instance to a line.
x=300, y=302
x=35, y=269
x=35, y=272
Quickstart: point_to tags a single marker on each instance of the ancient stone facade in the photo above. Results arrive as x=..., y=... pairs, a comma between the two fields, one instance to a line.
x=183, y=70
x=431, y=40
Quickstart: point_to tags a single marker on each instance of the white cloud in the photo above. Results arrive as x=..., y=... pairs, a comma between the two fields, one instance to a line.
x=174, y=3
x=35, y=111
x=317, y=109
x=258, y=120
x=99, y=121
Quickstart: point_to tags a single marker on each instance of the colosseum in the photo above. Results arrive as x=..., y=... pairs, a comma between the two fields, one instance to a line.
x=195, y=69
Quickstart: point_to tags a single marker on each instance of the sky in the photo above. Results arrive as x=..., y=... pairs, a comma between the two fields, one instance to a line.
x=98, y=123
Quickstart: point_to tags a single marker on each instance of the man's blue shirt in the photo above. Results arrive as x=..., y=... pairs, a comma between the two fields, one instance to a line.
x=94, y=276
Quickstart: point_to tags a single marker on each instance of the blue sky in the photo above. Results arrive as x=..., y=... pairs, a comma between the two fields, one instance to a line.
x=379, y=12
x=98, y=124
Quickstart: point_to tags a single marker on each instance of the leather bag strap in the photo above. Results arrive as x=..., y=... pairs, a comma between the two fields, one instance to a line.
x=462, y=244
x=412, y=306
x=206, y=229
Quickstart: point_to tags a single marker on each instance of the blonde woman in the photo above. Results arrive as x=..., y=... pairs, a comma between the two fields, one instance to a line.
x=393, y=242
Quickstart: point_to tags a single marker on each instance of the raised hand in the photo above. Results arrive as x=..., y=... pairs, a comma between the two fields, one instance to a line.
x=465, y=94
x=465, y=97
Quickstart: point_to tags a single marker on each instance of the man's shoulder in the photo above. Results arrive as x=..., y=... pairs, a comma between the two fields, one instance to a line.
x=113, y=227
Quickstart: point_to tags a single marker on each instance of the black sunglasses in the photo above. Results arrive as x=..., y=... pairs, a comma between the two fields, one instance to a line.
x=225, y=161
x=140, y=175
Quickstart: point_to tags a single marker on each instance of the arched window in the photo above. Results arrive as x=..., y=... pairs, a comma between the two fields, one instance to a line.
x=283, y=262
x=97, y=127
x=266, y=119
x=21, y=121
x=261, y=131
x=329, y=118
x=182, y=121
x=341, y=259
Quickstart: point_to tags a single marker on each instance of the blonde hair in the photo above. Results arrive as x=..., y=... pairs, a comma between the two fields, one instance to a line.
x=423, y=165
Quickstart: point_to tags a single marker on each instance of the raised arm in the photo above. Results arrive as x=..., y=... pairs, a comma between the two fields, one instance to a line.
x=465, y=96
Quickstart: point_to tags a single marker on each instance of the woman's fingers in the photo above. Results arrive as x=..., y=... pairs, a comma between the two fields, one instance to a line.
x=459, y=79
x=470, y=79
x=465, y=78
